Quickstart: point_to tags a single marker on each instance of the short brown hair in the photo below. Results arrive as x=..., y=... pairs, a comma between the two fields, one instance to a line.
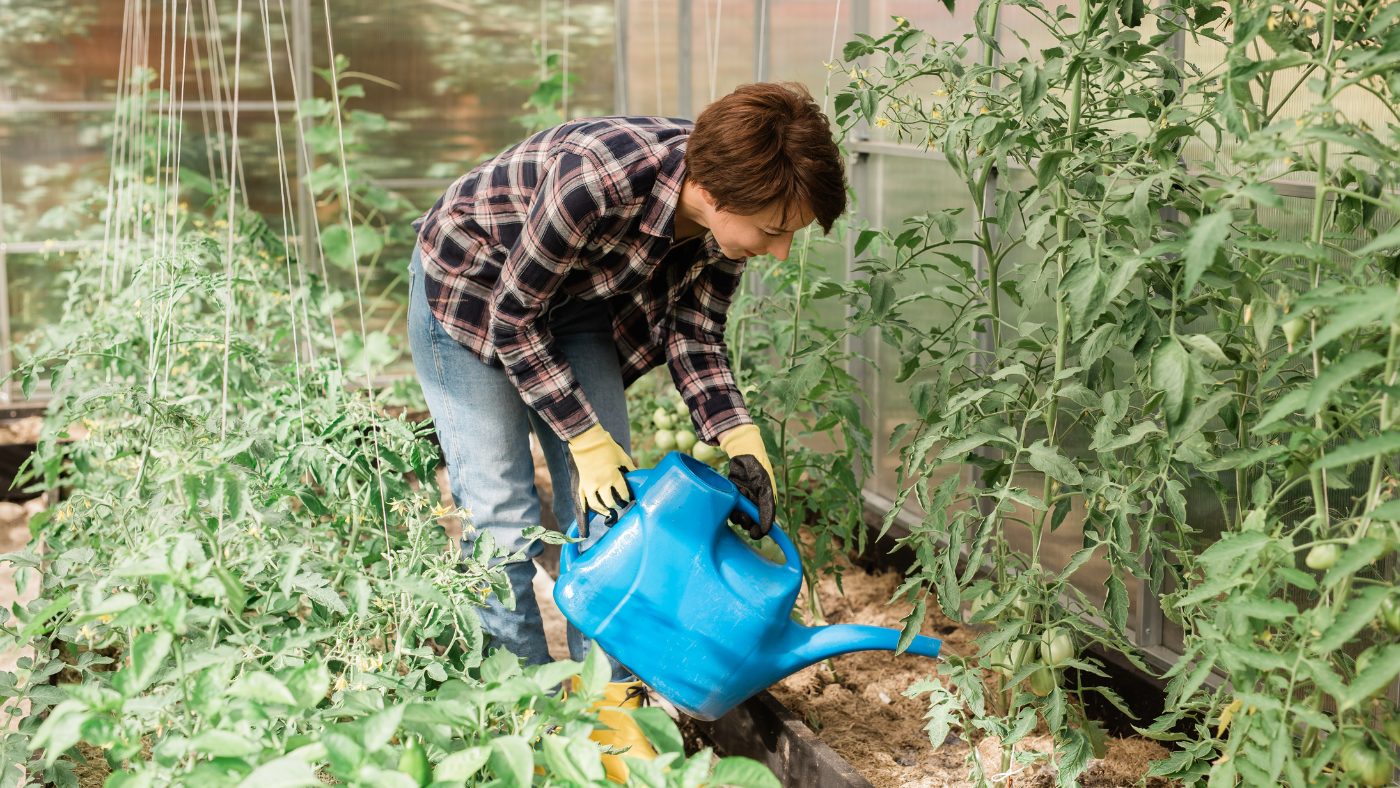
x=764, y=143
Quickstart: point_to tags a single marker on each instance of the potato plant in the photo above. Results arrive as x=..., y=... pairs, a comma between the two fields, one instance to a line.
x=1128, y=310
x=244, y=580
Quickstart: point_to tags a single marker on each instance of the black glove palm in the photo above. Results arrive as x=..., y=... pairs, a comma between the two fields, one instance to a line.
x=749, y=475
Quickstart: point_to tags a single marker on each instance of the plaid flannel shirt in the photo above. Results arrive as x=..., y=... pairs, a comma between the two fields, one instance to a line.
x=585, y=210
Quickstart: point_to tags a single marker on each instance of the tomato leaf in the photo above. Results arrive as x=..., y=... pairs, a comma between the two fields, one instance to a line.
x=1202, y=242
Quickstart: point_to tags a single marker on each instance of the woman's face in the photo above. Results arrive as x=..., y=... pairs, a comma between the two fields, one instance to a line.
x=756, y=235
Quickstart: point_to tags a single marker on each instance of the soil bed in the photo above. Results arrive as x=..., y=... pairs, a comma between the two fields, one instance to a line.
x=861, y=713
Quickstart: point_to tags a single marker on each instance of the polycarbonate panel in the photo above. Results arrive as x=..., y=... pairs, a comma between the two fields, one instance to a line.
x=807, y=35
x=48, y=164
x=74, y=54
x=1289, y=98
x=724, y=46
x=934, y=19
x=651, y=58
x=55, y=166
x=900, y=188
x=460, y=73
x=37, y=290
x=448, y=78
x=931, y=17
x=723, y=53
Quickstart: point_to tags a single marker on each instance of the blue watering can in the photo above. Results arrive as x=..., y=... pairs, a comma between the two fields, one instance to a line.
x=677, y=597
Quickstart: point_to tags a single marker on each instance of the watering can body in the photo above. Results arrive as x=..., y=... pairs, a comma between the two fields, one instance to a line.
x=672, y=593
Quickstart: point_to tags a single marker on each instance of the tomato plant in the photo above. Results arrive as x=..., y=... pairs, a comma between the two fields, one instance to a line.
x=245, y=580
x=1122, y=311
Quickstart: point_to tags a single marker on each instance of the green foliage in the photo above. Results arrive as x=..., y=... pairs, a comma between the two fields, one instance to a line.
x=1136, y=325
x=792, y=364
x=374, y=255
x=243, y=580
x=547, y=97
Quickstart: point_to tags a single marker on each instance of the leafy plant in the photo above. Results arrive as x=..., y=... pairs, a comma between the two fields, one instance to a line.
x=1140, y=318
x=367, y=227
x=546, y=99
x=791, y=362
x=244, y=581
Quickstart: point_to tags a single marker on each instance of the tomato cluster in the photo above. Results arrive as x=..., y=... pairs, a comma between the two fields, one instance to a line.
x=670, y=426
x=1055, y=647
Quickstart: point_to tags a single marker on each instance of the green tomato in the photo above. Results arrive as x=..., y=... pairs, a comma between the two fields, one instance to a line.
x=414, y=762
x=1323, y=556
x=1019, y=656
x=1057, y=646
x=1392, y=729
x=662, y=419
x=1022, y=603
x=1294, y=329
x=1367, y=765
x=979, y=603
x=1390, y=615
x=704, y=452
x=665, y=440
x=684, y=439
x=997, y=660
x=1004, y=658
x=1042, y=682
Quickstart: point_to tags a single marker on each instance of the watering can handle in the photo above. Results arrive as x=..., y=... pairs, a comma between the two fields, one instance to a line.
x=780, y=536
x=568, y=552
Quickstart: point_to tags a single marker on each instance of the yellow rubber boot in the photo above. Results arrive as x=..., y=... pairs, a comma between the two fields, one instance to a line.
x=624, y=733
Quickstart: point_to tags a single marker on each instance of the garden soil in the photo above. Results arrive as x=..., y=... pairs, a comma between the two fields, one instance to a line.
x=20, y=431
x=861, y=713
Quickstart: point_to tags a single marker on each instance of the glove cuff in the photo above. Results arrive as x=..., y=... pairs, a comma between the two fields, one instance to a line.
x=746, y=439
x=592, y=438
x=598, y=445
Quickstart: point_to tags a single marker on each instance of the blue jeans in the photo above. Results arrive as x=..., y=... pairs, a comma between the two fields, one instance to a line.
x=484, y=428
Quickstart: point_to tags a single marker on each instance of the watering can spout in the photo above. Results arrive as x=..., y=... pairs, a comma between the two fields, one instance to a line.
x=803, y=646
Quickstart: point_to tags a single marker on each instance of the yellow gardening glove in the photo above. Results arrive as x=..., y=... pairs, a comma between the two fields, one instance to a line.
x=599, y=463
x=752, y=473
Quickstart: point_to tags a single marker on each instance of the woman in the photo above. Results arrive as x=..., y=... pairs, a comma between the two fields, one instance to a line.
x=548, y=279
